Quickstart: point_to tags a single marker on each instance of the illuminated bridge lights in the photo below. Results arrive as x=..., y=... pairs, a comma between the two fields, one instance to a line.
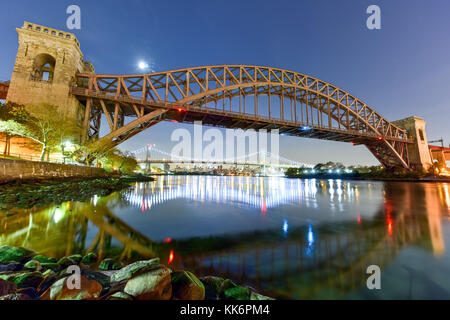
x=269, y=158
x=305, y=128
x=171, y=257
x=262, y=194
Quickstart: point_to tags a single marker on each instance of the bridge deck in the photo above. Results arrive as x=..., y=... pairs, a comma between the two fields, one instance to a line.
x=230, y=119
x=440, y=153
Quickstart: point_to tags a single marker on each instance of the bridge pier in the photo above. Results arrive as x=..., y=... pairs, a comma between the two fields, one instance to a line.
x=418, y=151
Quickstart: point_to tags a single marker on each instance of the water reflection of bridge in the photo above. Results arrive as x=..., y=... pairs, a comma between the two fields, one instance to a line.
x=311, y=264
x=331, y=260
x=320, y=261
x=75, y=228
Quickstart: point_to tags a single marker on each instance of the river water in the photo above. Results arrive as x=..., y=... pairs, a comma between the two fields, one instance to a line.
x=288, y=238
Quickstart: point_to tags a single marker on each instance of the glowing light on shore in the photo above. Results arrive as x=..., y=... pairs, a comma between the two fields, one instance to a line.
x=285, y=227
x=58, y=215
x=310, y=236
x=447, y=196
x=171, y=256
x=168, y=240
x=310, y=239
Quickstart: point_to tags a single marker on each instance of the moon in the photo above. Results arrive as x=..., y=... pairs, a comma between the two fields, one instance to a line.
x=143, y=65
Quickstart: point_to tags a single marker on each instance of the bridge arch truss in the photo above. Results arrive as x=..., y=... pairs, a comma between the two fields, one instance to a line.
x=237, y=96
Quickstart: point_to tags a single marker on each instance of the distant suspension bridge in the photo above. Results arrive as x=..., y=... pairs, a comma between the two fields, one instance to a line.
x=152, y=155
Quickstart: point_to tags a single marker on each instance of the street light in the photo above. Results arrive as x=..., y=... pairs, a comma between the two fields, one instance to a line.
x=64, y=146
x=68, y=144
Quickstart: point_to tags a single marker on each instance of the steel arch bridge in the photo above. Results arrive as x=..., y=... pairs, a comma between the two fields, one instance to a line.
x=236, y=96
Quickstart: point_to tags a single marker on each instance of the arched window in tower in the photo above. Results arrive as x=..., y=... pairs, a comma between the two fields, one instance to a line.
x=421, y=135
x=43, y=68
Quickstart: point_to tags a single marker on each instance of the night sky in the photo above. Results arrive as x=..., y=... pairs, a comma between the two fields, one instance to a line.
x=401, y=70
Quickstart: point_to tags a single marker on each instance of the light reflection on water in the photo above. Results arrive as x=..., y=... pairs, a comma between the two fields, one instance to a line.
x=260, y=193
x=289, y=238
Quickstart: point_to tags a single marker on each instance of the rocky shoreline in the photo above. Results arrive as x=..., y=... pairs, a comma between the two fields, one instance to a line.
x=37, y=193
x=25, y=275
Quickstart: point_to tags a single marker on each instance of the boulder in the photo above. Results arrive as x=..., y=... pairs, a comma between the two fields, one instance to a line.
x=14, y=266
x=48, y=272
x=100, y=277
x=55, y=267
x=15, y=254
x=231, y=291
x=90, y=258
x=24, y=279
x=38, y=266
x=43, y=259
x=256, y=296
x=15, y=297
x=89, y=290
x=236, y=293
x=212, y=287
x=33, y=265
x=31, y=292
x=66, y=262
x=120, y=296
x=7, y=287
x=226, y=284
x=186, y=286
x=50, y=277
x=76, y=257
x=110, y=264
x=129, y=271
x=155, y=284
x=8, y=275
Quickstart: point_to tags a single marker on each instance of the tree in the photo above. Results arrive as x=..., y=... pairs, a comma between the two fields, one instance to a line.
x=292, y=172
x=13, y=122
x=42, y=123
x=319, y=167
x=116, y=160
x=96, y=150
x=50, y=128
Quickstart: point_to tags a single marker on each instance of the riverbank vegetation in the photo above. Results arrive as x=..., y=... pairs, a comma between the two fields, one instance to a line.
x=331, y=170
x=116, y=160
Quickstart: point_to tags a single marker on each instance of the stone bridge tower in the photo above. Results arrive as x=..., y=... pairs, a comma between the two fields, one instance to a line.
x=46, y=63
x=418, y=151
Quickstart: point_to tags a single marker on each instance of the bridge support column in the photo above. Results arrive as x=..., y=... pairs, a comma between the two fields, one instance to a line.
x=418, y=151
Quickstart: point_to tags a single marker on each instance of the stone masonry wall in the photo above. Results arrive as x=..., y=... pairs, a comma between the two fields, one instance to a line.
x=11, y=170
x=39, y=42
